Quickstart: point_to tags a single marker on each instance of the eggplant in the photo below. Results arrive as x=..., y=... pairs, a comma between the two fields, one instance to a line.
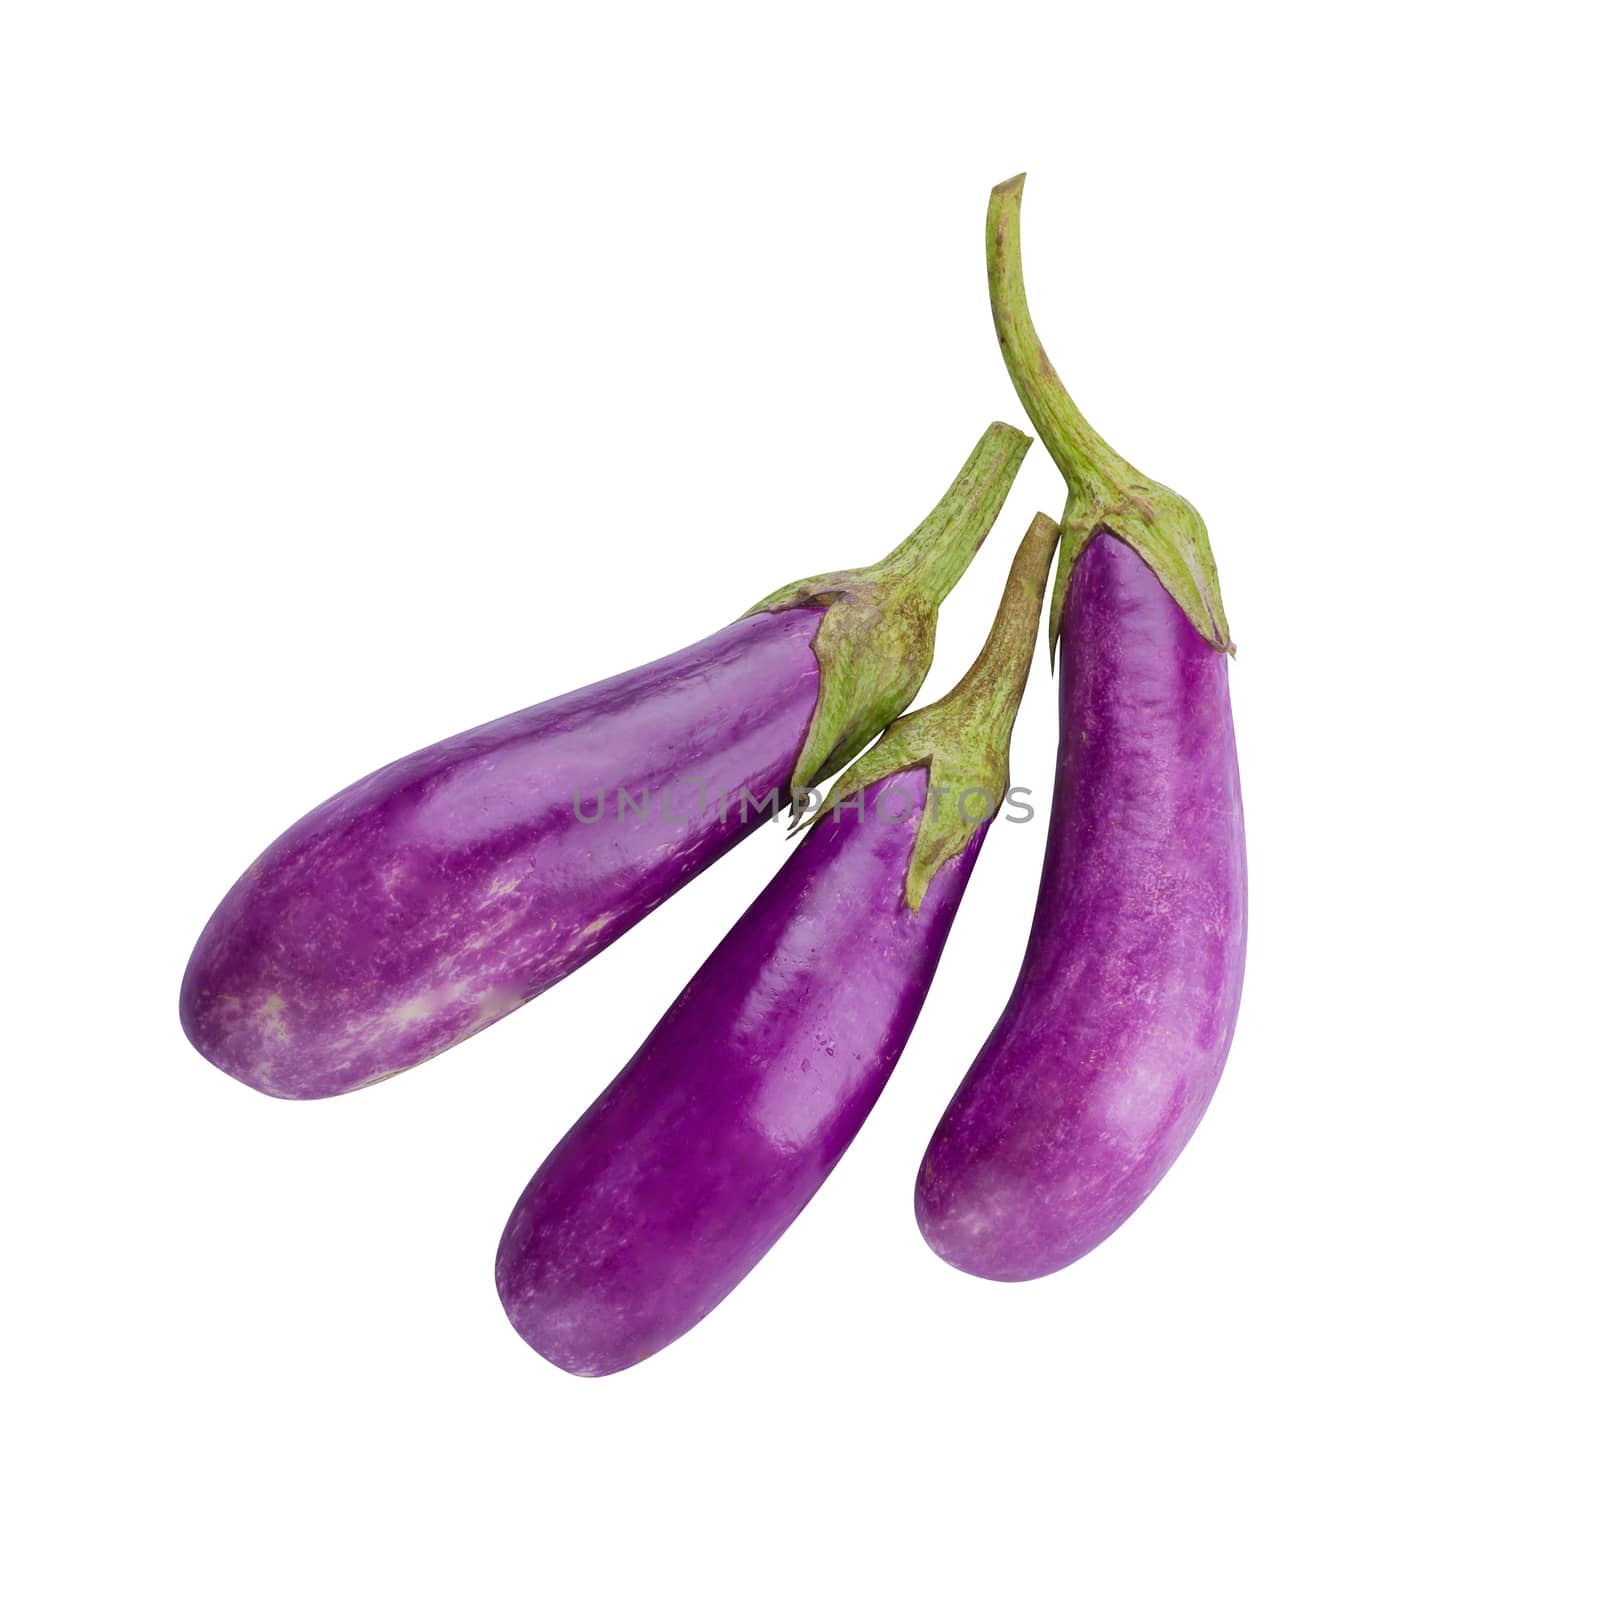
x=711, y=1141
x=1112, y=1043
x=436, y=895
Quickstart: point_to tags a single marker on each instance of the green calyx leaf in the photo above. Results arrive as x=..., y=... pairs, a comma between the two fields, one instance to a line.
x=1105, y=493
x=875, y=643
x=964, y=740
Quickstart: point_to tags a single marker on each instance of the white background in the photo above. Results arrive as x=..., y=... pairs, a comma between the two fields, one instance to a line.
x=370, y=371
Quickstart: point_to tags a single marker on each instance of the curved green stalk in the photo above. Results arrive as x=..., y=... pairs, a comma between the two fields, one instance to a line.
x=1105, y=493
x=875, y=644
x=964, y=740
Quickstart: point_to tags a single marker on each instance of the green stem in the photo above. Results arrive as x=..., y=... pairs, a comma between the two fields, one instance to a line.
x=934, y=557
x=989, y=694
x=1086, y=461
x=964, y=740
x=1105, y=493
x=875, y=644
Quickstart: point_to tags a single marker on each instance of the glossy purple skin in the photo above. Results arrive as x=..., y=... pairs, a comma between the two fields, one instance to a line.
x=1112, y=1043
x=710, y=1142
x=435, y=896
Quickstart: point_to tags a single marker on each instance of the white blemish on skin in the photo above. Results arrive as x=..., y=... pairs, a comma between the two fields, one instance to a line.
x=270, y=1016
x=422, y=1006
x=497, y=1003
x=491, y=932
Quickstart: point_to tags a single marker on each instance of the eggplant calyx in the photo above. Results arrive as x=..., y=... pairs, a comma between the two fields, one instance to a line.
x=964, y=740
x=875, y=643
x=1105, y=493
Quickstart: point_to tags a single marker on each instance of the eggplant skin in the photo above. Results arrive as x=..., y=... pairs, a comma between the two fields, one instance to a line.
x=1114, y=1038
x=441, y=892
x=713, y=1138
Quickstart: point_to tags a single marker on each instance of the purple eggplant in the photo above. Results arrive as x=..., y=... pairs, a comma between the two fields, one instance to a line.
x=438, y=894
x=1111, y=1045
x=713, y=1138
